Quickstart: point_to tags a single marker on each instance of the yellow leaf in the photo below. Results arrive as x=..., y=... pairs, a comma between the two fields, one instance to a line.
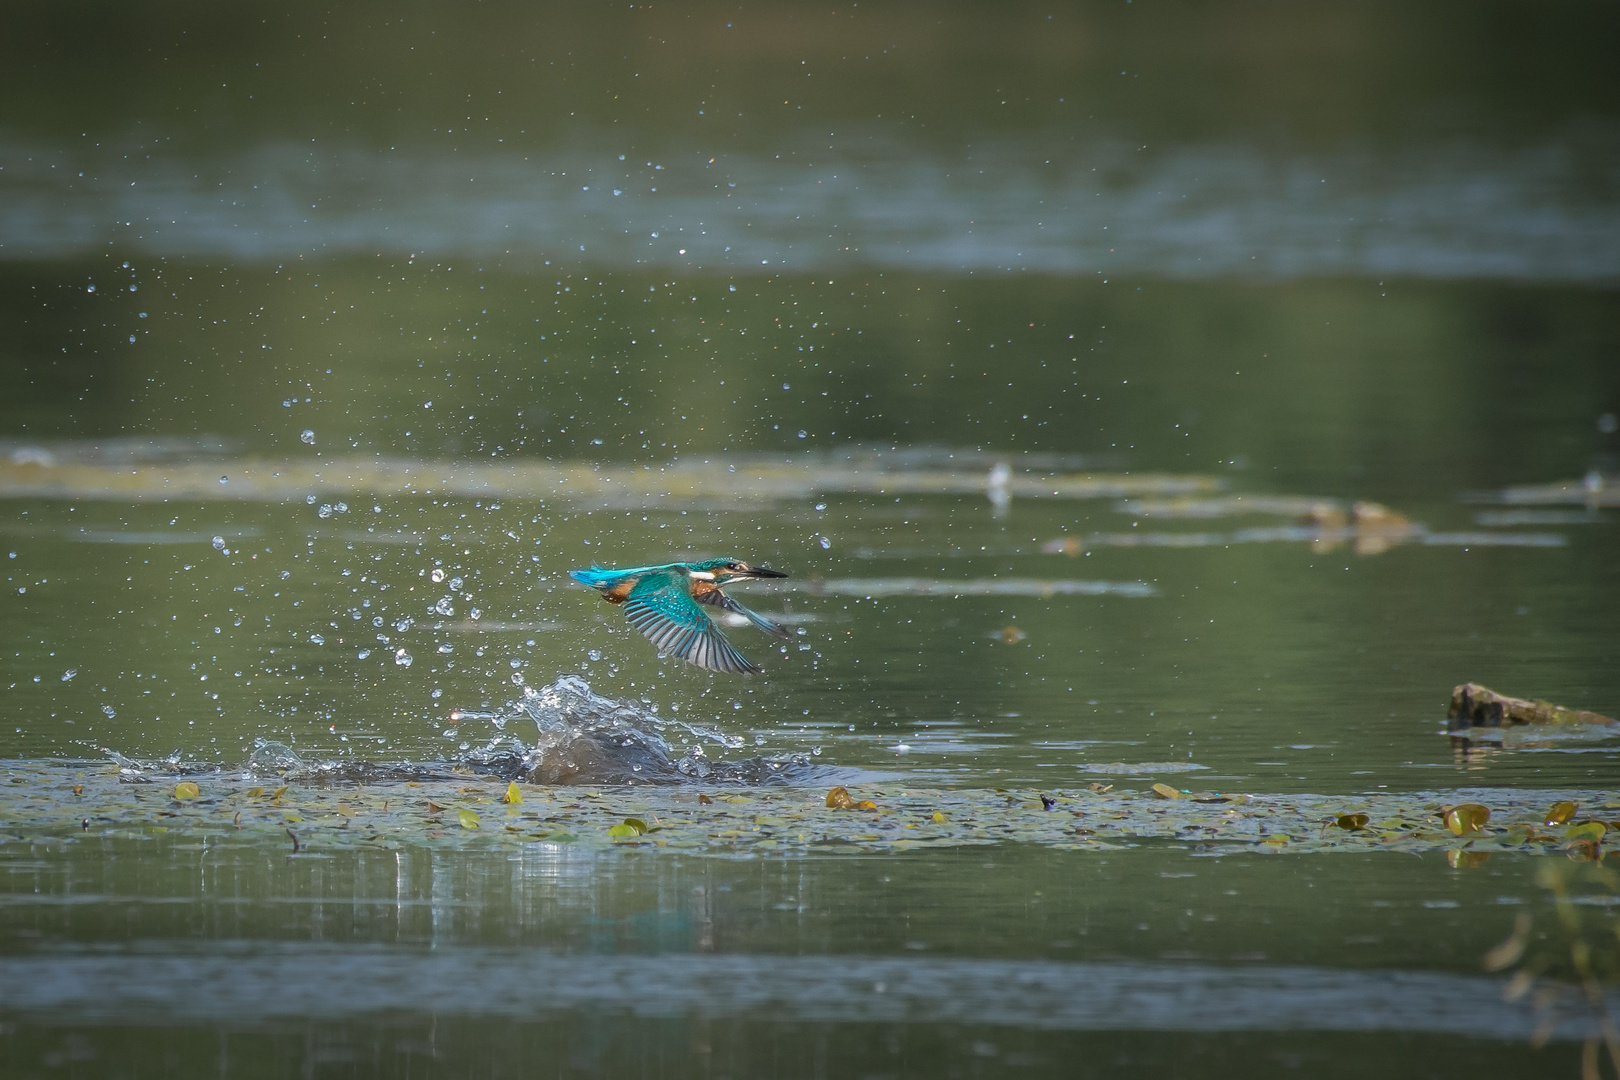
x=185, y=789
x=254, y=792
x=1586, y=830
x=1466, y=818
x=1351, y=822
x=468, y=819
x=1561, y=813
x=513, y=795
x=865, y=804
x=839, y=799
x=939, y=818
x=1165, y=791
x=279, y=792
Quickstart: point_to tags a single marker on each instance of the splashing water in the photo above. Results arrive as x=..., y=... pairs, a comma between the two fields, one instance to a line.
x=584, y=738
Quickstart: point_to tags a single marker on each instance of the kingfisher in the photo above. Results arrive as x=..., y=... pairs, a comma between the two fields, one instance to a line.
x=663, y=603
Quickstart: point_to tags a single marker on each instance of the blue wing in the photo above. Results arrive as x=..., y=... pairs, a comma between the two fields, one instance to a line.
x=660, y=608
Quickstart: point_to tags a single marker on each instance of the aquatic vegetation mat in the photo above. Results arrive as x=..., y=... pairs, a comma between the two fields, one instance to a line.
x=45, y=801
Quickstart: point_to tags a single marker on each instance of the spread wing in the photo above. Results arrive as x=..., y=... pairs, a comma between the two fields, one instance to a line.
x=726, y=603
x=660, y=608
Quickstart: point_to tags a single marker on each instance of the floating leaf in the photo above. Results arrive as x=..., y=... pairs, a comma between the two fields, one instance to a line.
x=840, y=799
x=637, y=824
x=1561, y=813
x=1466, y=818
x=1466, y=860
x=1586, y=830
x=185, y=789
x=78, y=789
x=618, y=831
x=468, y=819
x=1511, y=950
x=278, y=793
x=704, y=800
x=1585, y=850
x=1351, y=822
x=865, y=804
x=939, y=818
x=513, y=795
x=434, y=808
x=1165, y=791
x=254, y=792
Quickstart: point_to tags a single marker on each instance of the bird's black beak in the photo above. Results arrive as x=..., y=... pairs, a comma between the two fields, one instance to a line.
x=760, y=572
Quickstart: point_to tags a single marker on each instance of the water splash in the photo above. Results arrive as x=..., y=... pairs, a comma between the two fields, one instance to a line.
x=584, y=738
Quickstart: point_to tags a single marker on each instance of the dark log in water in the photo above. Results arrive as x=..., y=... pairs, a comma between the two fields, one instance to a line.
x=1478, y=706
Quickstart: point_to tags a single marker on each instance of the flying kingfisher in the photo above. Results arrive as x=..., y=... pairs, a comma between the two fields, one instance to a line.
x=662, y=602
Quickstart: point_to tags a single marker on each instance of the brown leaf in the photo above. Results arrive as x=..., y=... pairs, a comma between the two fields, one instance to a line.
x=705, y=800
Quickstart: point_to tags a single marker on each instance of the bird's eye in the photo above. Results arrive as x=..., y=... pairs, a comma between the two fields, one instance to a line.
x=734, y=566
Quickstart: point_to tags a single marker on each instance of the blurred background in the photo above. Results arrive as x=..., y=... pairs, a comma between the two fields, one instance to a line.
x=1335, y=255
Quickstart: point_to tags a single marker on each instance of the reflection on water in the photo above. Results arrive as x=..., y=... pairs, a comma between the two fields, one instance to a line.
x=1036, y=202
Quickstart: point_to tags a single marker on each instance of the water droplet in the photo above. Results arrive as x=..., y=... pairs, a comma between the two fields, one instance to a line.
x=307, y=436
x=402, y=658
x=404, y=624
x=437, y=575
x=67, y=676
x=444, y=606
x=108, y=709
x=821, y=506
x=446, y=647
x=595, y=654
x=363, y=654
x=219, y=543
x=317, y=639
x=224, y=479
x=825, y=543
x=803, y=434
x=455, y=584
x=816, y=751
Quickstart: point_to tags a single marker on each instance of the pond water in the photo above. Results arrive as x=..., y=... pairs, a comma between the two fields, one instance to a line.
x=1134, y=396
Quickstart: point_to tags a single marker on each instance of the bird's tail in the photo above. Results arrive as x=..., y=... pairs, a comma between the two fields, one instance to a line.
x=760, y=621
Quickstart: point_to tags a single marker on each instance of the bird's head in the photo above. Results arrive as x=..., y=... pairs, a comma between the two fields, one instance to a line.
x=721, y=571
